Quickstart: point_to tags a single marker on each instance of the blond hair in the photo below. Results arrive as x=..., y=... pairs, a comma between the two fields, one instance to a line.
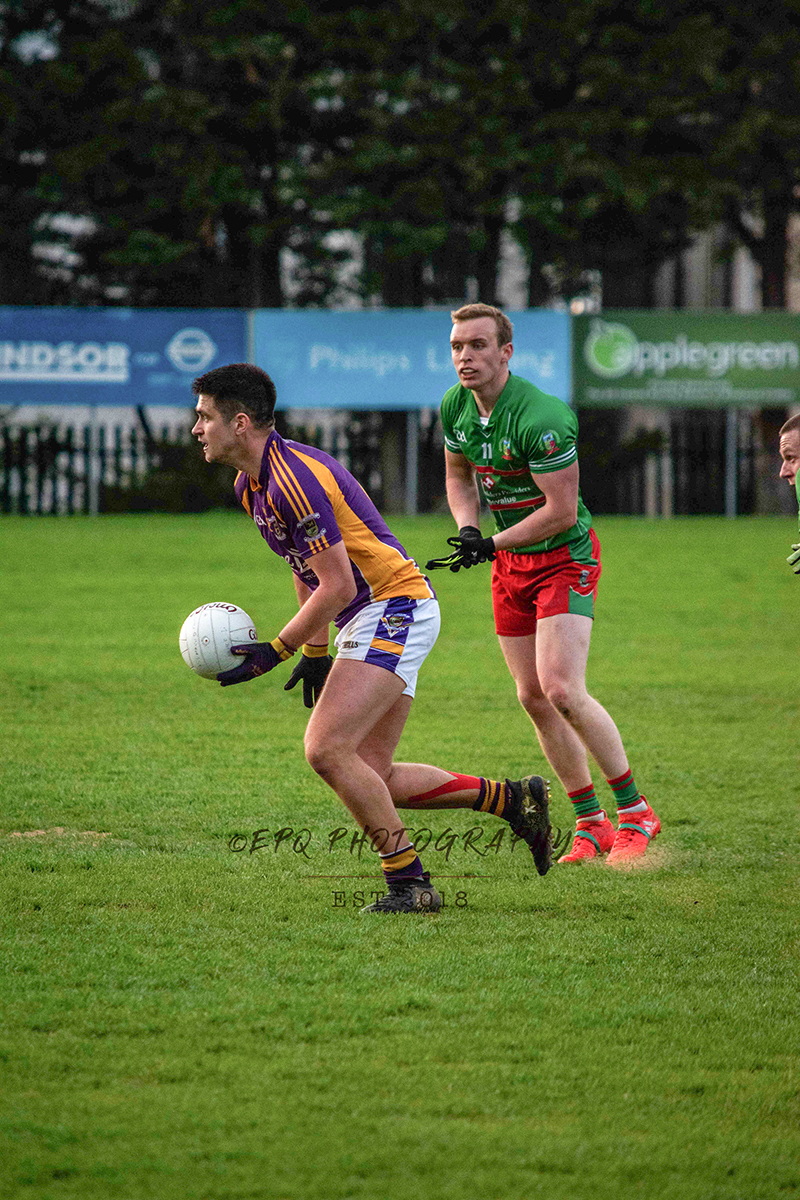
x=473, y=312
x=790, y=425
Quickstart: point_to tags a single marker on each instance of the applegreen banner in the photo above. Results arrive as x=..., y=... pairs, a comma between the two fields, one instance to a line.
x=686, y=359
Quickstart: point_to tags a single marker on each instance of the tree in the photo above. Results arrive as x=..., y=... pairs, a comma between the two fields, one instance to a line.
x=690, y=116
x=170, y=128
x=26, y=31
x=753, y=141
x=625, y=184
x=173, y=153
x=423, y=172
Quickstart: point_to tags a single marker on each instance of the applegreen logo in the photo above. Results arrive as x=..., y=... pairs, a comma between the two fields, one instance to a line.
x=610, y=350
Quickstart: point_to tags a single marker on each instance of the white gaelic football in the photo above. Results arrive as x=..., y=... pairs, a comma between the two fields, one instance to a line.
x=208, y=633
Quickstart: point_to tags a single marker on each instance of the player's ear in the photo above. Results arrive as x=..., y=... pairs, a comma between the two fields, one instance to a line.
x=241, y=423
x=507, y=351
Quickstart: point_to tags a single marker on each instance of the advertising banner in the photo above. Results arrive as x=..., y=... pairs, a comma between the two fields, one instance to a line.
x=113, y=356
x=686, y=359
x=391, y=359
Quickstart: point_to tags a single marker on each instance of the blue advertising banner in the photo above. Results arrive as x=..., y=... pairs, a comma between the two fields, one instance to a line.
x=113, y=356
x=392, y=359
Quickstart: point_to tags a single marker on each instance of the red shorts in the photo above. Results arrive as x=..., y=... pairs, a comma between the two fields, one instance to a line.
x=527, y=587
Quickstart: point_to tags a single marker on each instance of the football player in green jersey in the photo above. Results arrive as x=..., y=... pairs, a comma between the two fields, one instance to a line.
x=790, y=471
x=519, y=444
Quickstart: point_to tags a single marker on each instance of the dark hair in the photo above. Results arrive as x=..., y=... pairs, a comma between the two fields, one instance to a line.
x=239, y=387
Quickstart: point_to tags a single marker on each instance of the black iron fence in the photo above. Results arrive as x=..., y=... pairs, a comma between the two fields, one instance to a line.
x=47, y=469
x=695, y=462
x=683, y=469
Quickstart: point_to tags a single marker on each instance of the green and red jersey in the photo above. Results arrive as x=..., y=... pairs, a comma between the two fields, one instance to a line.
x=528, y=433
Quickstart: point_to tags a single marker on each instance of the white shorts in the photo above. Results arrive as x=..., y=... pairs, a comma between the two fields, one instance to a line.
x=396, y=634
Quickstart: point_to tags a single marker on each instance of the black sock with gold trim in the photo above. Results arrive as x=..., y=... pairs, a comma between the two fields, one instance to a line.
x=402, y=864
x=493, y=797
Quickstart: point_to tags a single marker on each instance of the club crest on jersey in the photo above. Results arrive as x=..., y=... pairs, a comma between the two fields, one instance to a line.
x=549, y=442
x=310, y=527
x=505, y=449
x=276, y=527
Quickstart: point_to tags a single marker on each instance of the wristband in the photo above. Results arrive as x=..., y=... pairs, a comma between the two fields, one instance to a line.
x=312, y=651
x=282, y=649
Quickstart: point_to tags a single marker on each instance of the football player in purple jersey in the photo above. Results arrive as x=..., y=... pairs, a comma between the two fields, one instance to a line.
x=351, y=571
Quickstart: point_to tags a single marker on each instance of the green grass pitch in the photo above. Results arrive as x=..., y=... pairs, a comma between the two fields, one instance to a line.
x=194, y=1010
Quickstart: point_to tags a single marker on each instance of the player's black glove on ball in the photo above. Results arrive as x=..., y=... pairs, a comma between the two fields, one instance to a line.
x=313, y=670
x=470, y=549
x=258, y=659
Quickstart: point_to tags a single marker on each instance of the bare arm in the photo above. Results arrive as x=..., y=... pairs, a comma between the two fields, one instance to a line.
x=462, y=490
x=559, y=511
x=336, y=589
x=321, y=636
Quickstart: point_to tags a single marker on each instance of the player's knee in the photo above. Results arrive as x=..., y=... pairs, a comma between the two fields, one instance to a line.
x=382, y=766
x=321, y=756
x=533, y=701
x=561, y=694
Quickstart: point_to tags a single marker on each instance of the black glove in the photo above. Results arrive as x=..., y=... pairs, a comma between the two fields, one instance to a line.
x=313, y=670
x=470, y=549
x=480, y=549
x=258, y=659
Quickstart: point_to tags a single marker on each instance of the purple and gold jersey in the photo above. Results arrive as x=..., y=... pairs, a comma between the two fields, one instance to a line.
x=304, y=501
